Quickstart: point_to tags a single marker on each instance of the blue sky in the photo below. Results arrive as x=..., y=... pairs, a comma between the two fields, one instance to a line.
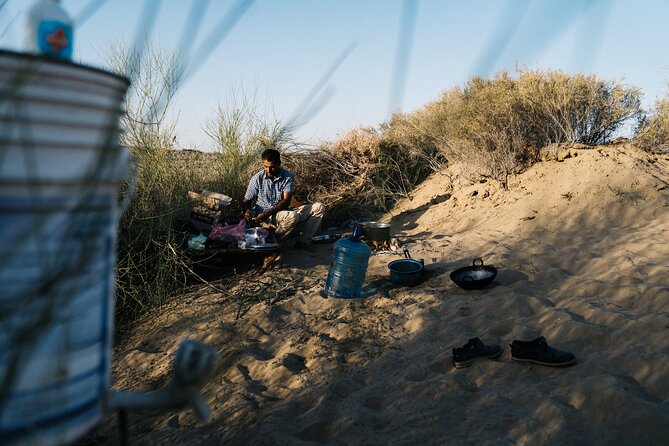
x=280, y=49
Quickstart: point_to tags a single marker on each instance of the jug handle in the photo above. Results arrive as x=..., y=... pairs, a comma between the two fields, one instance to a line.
x=357, y=232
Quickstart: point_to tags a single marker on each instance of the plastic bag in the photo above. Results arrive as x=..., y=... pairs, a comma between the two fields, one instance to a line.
x=219, y=231
x=197, y=241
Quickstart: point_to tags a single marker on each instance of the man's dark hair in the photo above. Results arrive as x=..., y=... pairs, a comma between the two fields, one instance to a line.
x=271, y=155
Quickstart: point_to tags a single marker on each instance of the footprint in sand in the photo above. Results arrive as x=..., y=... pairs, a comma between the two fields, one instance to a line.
x=256, y=387
x=633, y=386
x=244, y=371
x=259, y=353
x=150, y=346
x=417, y=375
x=253, y=387
x=345, y=387
x=466, y=384
x=377, y=403
x=276, y=314
x=295, y=363
x=510, y=276
x=317, y=432
x=465, y=311
x=442, y=366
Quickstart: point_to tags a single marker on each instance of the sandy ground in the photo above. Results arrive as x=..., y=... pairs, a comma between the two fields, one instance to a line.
x=582, y=248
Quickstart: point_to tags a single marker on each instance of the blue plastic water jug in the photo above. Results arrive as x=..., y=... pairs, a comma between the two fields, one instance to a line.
x=348, y=267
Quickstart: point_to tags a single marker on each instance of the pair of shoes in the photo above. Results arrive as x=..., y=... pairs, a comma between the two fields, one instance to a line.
x=473, y=350
x=539, y=352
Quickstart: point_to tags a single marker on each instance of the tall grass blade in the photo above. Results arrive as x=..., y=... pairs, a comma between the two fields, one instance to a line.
x=10, y=23
x=298, y=114
x=589, y=38
x=220, y=31
x=499, y=38
x=143, y=33
x=88, y=11
x=190, y=32
x=403, y=54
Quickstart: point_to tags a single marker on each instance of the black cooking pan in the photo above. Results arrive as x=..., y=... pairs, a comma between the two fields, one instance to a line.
x=474, y=277
x=406, y=271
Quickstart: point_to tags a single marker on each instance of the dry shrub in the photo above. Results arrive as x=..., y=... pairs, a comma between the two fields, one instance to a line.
x=653, y=131
x=577, y=108
x=411, y=134
x=498, y=125
x=337, y=174
x=359, y=175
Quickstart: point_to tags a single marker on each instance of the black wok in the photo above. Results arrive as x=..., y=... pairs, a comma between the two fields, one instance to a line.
x=474, y=277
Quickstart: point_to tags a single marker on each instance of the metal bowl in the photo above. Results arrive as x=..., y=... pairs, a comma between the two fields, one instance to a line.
x=327, y=238
x=474, y=277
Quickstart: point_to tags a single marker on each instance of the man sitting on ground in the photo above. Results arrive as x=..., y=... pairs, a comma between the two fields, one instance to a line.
x=272, y=189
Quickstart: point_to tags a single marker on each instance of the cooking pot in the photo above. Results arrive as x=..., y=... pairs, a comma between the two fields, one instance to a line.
x=474, y=277
x=375, y=231
x=406, y=271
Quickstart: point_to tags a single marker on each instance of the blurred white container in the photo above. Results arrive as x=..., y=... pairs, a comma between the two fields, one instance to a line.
x=60, y=170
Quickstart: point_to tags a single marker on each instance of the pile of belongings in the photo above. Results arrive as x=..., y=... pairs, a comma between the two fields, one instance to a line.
x=207, y=216
x=207, y=209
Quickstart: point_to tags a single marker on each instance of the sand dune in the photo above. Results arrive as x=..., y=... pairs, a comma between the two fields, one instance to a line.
x=582, y=248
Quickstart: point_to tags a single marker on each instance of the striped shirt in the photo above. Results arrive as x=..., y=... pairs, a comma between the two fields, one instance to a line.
x=268, y=192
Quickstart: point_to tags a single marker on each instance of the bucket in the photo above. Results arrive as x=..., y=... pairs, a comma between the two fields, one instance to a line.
x=60, y=170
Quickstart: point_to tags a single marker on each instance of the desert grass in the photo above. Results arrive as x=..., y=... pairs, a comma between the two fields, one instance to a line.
x=152, y=265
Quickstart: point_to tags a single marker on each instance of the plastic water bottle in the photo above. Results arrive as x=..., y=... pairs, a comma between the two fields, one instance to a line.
x=49, y=30
x=348, y=268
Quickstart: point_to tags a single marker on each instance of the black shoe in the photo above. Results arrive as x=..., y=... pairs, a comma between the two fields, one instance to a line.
x=539, y=352
x=473, y=350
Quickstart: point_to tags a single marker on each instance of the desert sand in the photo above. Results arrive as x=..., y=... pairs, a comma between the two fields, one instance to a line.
x=581, y=243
